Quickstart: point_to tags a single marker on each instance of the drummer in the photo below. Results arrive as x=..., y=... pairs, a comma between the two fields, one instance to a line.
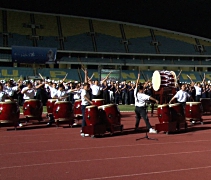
x=140, y=106
x=85, y=100
x=60, y=95
x=182, y=96
x=28, y=92
x=3, y=94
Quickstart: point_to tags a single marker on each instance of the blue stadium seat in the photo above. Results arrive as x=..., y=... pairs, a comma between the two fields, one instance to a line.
x=48, y=42
x=171, y=46
x=108, y=43
x=141, y=45
x=19, y=40
x=81, y=42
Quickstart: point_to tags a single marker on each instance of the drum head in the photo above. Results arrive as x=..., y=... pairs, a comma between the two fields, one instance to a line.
x=163, y=105
x=175, y=77
x=175, y=104
x=156, y=80
x=92, y=106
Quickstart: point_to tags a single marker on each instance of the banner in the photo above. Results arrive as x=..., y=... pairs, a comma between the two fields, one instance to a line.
x=25, y=54
x=114, y=74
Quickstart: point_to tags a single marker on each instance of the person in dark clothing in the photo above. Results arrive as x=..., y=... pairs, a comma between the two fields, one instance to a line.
x=41, y=93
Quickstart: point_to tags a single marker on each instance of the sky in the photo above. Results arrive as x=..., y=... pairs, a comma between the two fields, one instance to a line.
x=186, y=16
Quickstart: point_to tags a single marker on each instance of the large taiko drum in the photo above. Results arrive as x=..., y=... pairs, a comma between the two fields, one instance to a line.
x=163, y=113
x=62, y=111
x=77, y=108
x=32, y=108
x=9, y=112
x=92, y=115
x=110, y=114
x=50, y=104
x=206, y=104
x=177, y=112
x=163, y=79
x=193, y=110
x=98, y=102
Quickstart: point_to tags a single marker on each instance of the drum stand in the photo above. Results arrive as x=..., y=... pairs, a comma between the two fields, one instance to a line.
x=146, y=136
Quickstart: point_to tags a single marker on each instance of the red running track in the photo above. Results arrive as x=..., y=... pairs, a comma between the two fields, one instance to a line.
x=61, y=153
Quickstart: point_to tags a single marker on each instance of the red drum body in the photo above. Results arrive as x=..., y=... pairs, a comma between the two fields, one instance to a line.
x=163, y=112
x=163, y=79
x=206, y=104
x=32, y=108
x=92, y=115
x=193, y=110
x=9, y=112
x=77, y=108
x=62, y=111
x=110, y=114
x=50, y=104
x=98, y=102
x=177, y=112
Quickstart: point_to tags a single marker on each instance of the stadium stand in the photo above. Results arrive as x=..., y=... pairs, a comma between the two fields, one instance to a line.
x=139, y=39
x=76, y=31
x=108, y=37
x=15, y=26
x=175, y=44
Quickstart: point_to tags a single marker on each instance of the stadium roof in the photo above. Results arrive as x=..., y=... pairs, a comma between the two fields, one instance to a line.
x=186, y=16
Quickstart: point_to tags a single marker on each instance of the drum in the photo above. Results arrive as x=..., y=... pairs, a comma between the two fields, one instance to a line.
x=163, y=113
x=50, y=103
x=193, y=110
x=206, y=104
x=163, y=79
x=92, y=115
x=9, y=112
x=77, y=108
x=32, y=108
x=62, y=111
x=98, y=102
x=177, y=112
x=110, y=114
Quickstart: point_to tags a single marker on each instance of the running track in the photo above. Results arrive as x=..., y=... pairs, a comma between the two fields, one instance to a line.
x=61, y=153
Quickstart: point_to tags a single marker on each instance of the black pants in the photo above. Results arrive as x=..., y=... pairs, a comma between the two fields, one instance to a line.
x=141, y=112
x=183, y=107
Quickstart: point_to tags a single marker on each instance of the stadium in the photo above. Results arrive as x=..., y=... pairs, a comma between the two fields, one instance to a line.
x=59, y=41
x=98, y=44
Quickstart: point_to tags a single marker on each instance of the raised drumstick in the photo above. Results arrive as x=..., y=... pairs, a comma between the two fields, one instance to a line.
x=41, y=76
x=65, y=77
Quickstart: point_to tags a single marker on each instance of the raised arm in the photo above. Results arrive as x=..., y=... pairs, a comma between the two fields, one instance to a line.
x=137, y=81
x=191, y=80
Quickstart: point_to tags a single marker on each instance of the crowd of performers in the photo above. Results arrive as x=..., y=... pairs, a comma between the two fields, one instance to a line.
x=126, y=93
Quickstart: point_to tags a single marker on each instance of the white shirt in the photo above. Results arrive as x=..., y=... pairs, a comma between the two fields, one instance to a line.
x=53, y=91
x=3, y=96
x=140, y=98
x=60, y=94
x=10, y=90
x=198, y=90
x=83, y=100
x=77, y=94
x=28, y=94
x=181, y=96
x=95, y=89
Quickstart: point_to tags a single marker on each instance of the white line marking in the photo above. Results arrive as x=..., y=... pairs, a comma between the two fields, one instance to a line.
x=150, y=173
x=101, y=147
x=103, y=159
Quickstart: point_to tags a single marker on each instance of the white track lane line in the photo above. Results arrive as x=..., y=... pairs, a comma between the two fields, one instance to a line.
x=150, y=173
x=103, y=159
x=102, y=147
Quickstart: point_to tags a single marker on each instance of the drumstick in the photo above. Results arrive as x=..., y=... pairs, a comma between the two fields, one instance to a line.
x=147, y=77
x=41, y=76
x=65, y=76
x=143, y=76
x=91, y=76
